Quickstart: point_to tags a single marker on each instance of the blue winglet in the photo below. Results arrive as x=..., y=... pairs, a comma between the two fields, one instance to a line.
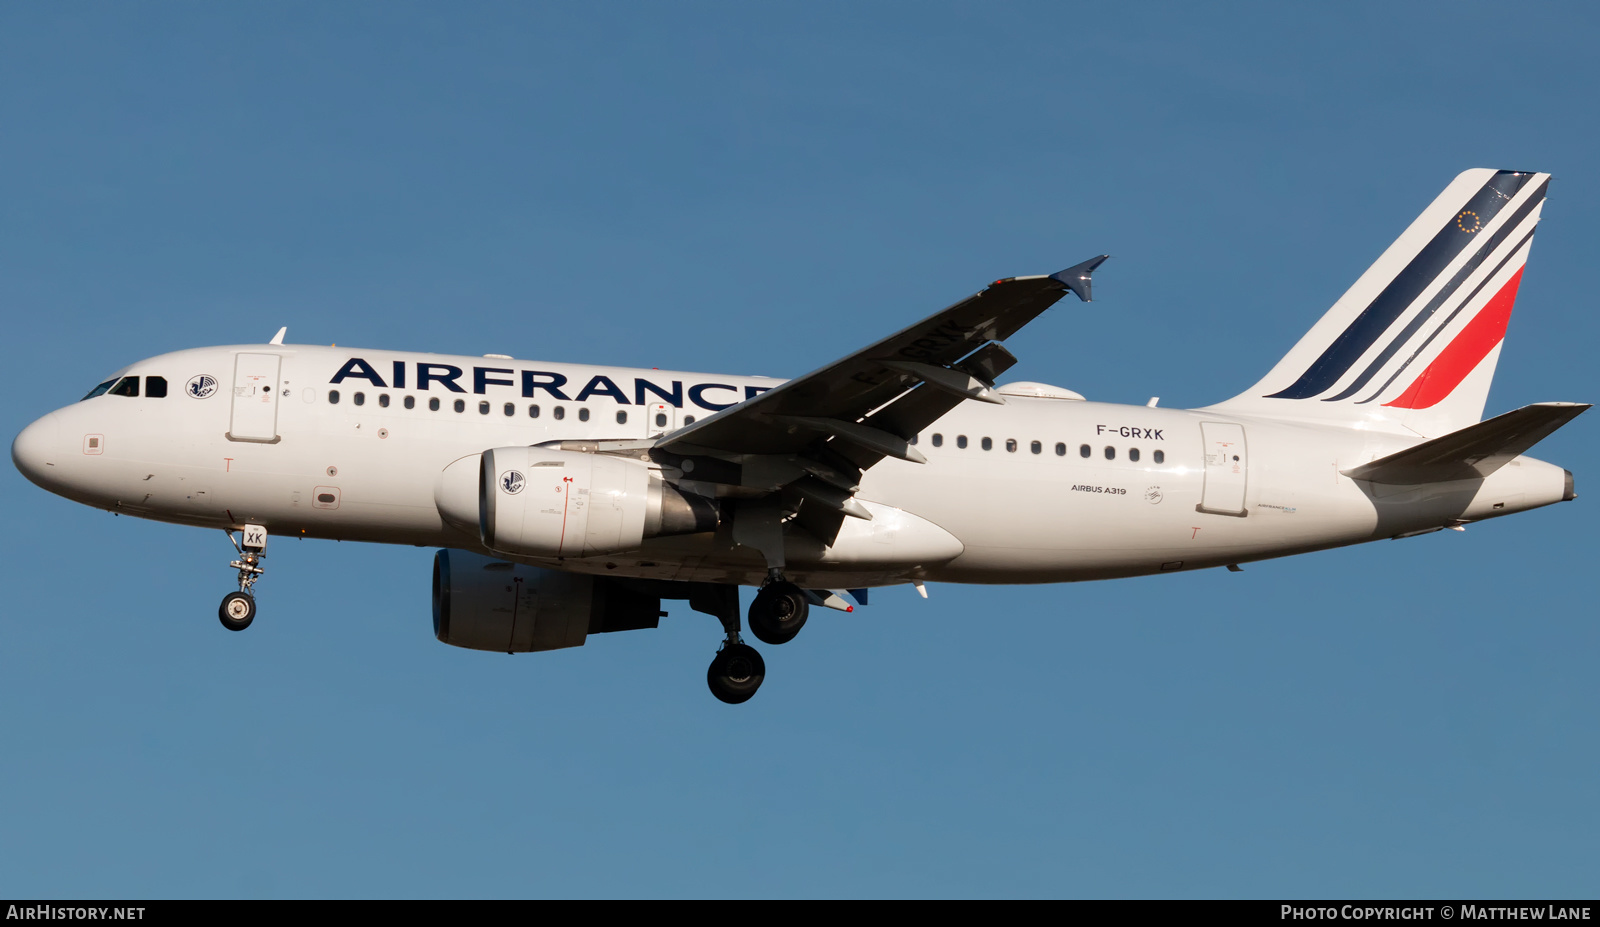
x=1076, y=277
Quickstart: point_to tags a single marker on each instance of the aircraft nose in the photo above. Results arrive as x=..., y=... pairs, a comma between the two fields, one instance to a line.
x=35, y=449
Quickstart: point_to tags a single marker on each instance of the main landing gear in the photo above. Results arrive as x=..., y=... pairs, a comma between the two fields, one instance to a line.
x=238, y=609
x=736, y=672
x=776, y=616
x=779, y=611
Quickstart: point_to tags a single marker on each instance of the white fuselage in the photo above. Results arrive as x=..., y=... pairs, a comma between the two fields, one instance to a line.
x=1036, y=490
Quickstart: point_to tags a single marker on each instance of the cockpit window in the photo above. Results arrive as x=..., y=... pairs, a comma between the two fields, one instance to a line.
x=127, y=386
x=155, y=387
x=99, y=390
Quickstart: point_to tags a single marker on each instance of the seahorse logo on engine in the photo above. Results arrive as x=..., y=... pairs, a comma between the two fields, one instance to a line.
x=511, y=481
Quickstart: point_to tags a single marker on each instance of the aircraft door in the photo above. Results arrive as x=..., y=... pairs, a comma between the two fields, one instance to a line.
x=1227, y=467
x=255, y=399
x=660, y=418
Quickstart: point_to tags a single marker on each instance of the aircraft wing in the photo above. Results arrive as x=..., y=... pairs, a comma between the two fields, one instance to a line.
x=816, y=433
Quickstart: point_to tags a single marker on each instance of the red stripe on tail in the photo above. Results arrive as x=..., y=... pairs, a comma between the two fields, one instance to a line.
x=1462, y=355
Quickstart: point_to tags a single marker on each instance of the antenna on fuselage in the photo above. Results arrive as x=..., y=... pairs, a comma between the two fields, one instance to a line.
x=278, y=338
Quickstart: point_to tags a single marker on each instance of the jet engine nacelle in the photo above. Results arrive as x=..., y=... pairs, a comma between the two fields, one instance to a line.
x=561, y=503
x=540, y=502
x=485, y=604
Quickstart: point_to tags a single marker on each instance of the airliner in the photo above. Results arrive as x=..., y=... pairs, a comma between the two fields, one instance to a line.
x=570, y=500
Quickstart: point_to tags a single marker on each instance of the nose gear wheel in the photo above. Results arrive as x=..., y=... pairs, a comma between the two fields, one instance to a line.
x=238, y=609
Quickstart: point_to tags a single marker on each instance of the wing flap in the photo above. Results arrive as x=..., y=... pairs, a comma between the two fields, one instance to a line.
x=988, y=362
x=1473, y=452
x=863, y=436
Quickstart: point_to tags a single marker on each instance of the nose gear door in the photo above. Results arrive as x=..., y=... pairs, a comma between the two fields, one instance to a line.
x=255, y=399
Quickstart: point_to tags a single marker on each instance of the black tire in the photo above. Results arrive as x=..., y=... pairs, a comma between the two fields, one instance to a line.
x=736, y=673
x=238, y=609
x=778, y=613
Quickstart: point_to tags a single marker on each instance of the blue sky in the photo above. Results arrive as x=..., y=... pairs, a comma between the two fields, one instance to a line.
x=758, y=189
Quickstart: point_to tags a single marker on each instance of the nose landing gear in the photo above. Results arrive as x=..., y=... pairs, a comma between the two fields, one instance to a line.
x=238, y=609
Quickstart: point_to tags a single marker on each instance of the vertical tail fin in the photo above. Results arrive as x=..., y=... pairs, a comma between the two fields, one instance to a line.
x=1414, y=342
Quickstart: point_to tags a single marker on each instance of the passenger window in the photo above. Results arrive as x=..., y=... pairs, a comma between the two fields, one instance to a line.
x=661, y=419
x=1111, y=452
x=99, y=390
x=1133, y=454
x=583, y=414
x=914, y=440
x=359, y=399
x=383, y=400
x=511, y=409
x=533, y=411
x=938, y=439
x=155, y=387
x=411, y=402
x=559, y=413
x=1061, y=449
x=461, y=405
x=483, y=407
x=333, y=397
x=433, y=404
x=988, y=444
x=1161, y=457
x=688, y=420
x=961, y=441
x=1084, y=451
x=622, y=416
x=1011, y=445
x=1036, y=447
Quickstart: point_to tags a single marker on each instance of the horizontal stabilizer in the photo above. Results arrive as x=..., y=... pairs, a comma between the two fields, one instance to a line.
x=1473, y=452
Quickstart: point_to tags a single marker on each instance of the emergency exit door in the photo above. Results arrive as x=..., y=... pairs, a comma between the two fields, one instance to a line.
x=1227, y=468
x=255, y=399
x=660, y=418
